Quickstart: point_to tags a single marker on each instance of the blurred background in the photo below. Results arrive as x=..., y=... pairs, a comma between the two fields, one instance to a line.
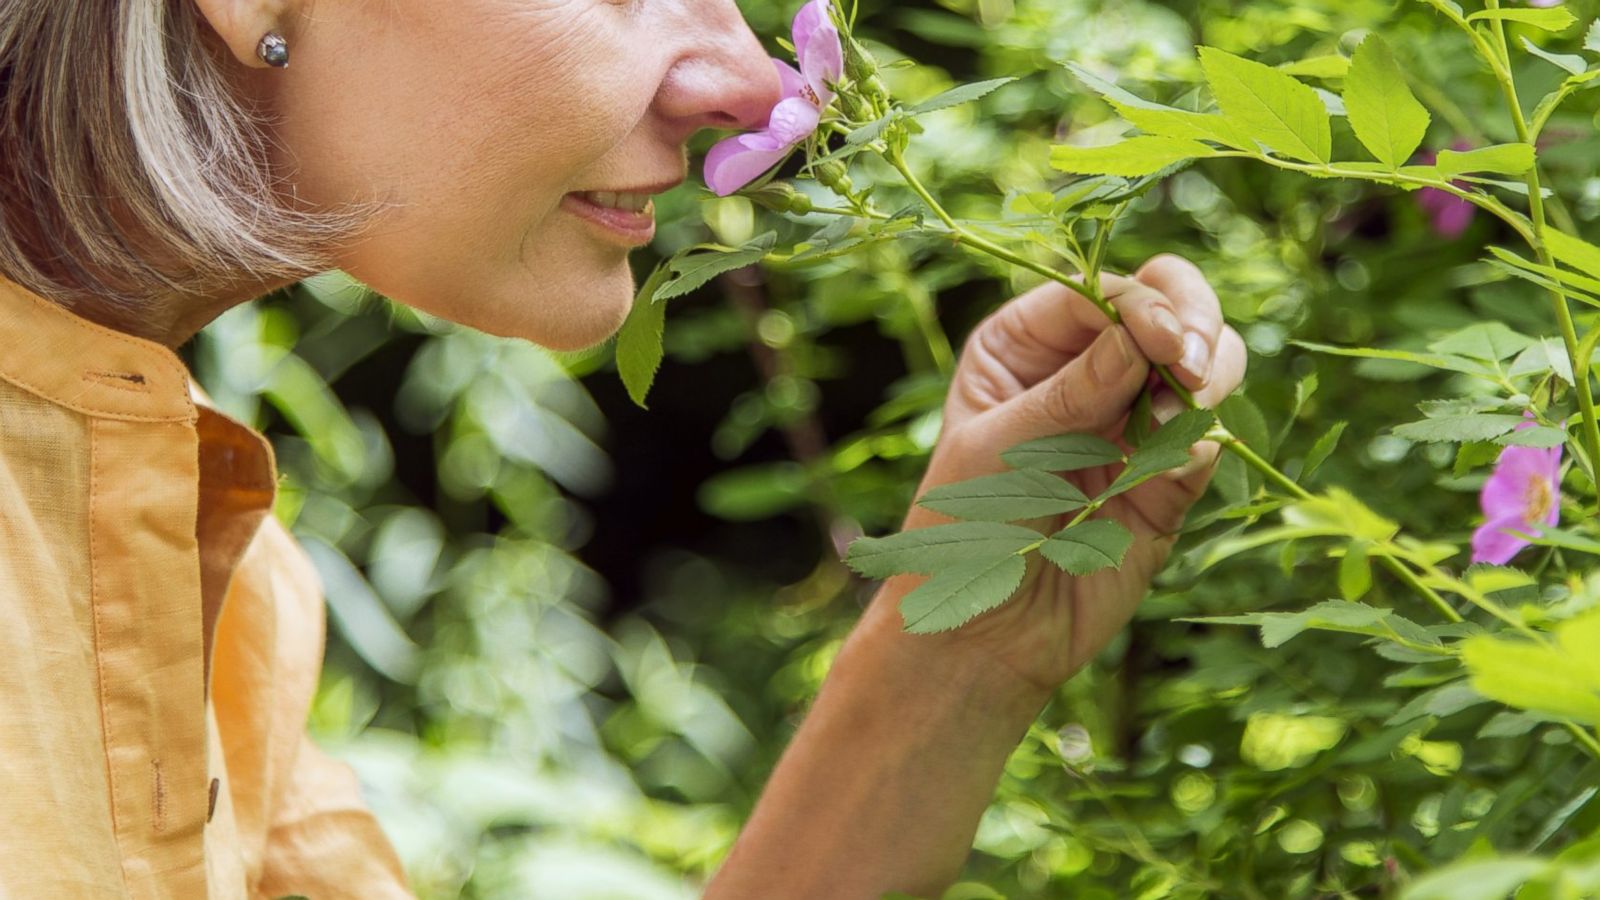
x=569, y=637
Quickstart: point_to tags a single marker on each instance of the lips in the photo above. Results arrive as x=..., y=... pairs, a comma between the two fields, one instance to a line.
x=627, y=218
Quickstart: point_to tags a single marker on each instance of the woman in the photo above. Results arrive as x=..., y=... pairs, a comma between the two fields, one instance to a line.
x=490, y=162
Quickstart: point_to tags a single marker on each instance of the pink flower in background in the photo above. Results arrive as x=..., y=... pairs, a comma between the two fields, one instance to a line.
x=741, y=159
x=1523, y=494
x=1449, y=215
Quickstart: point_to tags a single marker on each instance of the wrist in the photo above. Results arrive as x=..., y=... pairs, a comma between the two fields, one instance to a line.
x=955, y=664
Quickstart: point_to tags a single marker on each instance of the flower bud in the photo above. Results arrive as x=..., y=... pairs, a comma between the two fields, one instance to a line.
x=780, y=196
x=835, y=175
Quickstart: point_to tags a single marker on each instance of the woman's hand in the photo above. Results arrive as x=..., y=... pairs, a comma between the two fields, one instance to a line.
x=1048, y=363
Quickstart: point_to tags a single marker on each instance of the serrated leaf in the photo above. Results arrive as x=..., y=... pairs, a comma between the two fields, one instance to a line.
x=1063, y=453
x=692, y=270
x=1166, y=449
x=639, y=348
x=956, y=96
x=1182, y=431
x=1555, y=18
x=1570, y=62
x=1281, y=112
x=1184, y=125
x=1321, y=450
x=925, y=550
x=1339, y=512
x=1132, y=158
x=1386, y=116
x=1007, y=497
x=1088, y=547
x=1591, y=38
x=1500, y=159
x=871, y=131
x=1490, y=341
x=955, y=595
x=1458, y=429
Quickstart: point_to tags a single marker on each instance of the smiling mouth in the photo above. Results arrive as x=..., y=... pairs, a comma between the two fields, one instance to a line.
x=622, y=217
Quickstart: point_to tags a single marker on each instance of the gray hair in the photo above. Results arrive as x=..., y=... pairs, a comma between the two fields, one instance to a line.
x=130, y=172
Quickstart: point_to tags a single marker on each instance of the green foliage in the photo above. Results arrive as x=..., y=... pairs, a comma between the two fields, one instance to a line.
x=1392, y=721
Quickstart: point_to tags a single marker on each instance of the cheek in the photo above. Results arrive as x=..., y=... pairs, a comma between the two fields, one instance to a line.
x=472, y=125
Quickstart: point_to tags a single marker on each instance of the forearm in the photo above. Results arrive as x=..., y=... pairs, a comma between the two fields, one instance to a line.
x=882, y=787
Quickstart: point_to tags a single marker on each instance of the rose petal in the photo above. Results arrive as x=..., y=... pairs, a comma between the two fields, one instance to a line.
x=793, y=120
x=807, y=21
x=817, y=47
x=790, y=81
x=735, y=162
x=1491, y=544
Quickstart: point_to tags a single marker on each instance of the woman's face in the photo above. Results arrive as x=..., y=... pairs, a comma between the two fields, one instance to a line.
x=516, y=139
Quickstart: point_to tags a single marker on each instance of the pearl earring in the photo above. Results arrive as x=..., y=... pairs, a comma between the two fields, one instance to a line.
x=273, y=50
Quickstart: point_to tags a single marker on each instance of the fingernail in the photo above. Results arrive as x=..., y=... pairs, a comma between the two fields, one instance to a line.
x=1111, y=358
x=1163, y=319
x=1196, y=356
x=1167, y=408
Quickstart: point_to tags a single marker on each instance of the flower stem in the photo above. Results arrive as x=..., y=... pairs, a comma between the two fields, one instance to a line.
x=1536, y=214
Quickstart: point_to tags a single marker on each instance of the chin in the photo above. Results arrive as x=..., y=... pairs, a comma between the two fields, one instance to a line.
x=568, y=313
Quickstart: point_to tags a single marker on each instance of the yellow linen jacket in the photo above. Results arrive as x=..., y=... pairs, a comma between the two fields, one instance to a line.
x=162, y=638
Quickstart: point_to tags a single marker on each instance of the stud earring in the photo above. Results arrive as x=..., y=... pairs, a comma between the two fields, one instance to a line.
x=273, y=50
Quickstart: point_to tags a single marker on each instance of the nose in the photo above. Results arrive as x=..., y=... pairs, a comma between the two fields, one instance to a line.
x=723, y=79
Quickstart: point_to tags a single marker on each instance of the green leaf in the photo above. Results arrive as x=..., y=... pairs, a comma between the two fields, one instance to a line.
x=1063, y=453
x=1547, y=274
x=1532, y=676
x=1331, y=65
x=925, y=550
x=1571, y=62
x=955, y=595
x=1007, y=497
x=1184, y=125
x=691, y=271
x=1555, y=18
x=1501, y=159
x=1575, y=252
x=639, y=349
x=1485, y=879
x=1541, y=436
x=1276, y=109
x=1166, y=449
x=1088, y=547
x=1321, y=450
x=1339, y=512
x=871, y=131
x=1386, y=116
x=1329, y=615
x=1132, y=158
x=1490, y=341
x=956, y=96
x=1432, y=361
x=1591, y=39
x=1458, y=429
x=1355, y=571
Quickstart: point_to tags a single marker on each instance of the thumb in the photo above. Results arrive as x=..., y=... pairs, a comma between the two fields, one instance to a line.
x=1089, y=394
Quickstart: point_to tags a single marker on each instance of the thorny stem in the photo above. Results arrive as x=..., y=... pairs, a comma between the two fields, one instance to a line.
x=1569, y=332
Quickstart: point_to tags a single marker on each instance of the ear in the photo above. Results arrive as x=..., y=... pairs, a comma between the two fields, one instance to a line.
x=242, y=23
